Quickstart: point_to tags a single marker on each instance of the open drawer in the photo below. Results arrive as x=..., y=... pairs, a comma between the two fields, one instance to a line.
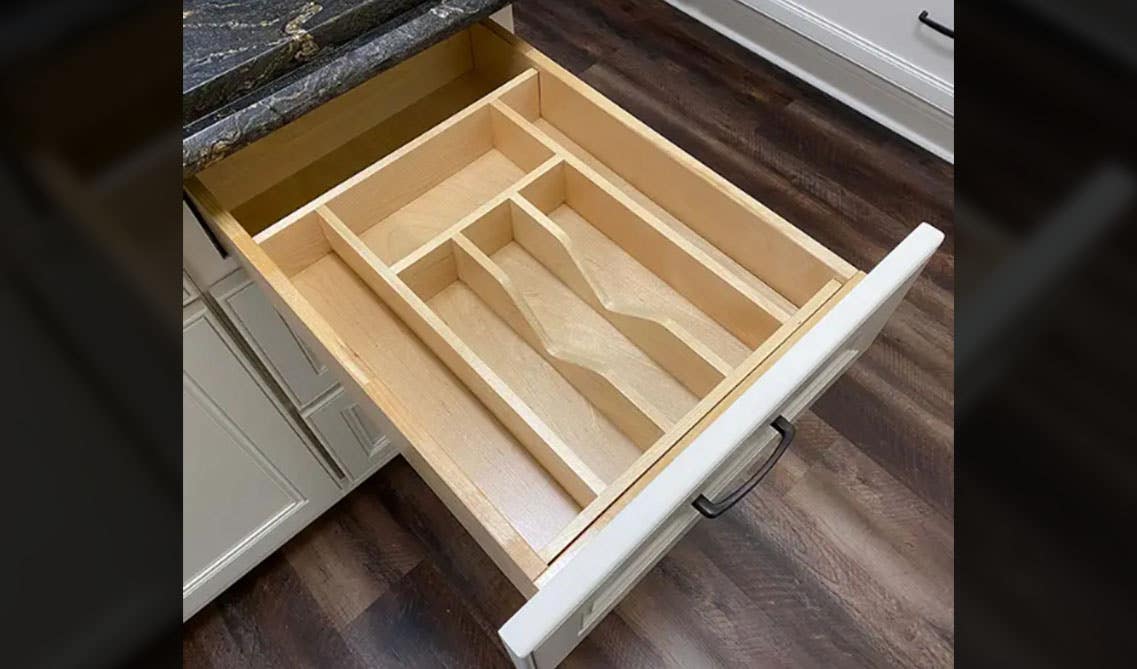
x=578, y=328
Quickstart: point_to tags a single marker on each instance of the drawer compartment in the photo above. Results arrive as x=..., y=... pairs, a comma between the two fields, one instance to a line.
x=543, y=296
x=449, y=173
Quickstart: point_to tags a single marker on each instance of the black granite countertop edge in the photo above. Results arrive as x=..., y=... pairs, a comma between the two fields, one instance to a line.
x=220, y=133
x=229, y=49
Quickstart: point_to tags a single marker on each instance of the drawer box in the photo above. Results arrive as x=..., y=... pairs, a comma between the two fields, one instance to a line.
x=577, y=327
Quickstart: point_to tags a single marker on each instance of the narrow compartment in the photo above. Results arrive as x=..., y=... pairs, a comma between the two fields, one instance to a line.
x=452, y=418
x=644, y=309
x=449, y=172
x=606, y=450
x=571, y=195
x=542, y=442
x=435, y=279
x=677, y=335
x=587, y=431
x=786, y=265
x=591, y=360
x=640, y=397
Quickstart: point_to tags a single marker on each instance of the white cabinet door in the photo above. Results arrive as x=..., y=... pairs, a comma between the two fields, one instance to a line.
x=577, y=597
x=361, y=441
x=249, y=479
x=287, y=356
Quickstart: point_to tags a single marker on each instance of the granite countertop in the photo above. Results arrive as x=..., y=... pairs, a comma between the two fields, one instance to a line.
x=251, y=66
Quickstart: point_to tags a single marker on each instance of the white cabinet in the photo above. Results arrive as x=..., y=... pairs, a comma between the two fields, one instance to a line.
x=886, y=37
x=249, y=479
x=252, y=474
x=203, y=259
x=877, y=56
x=360, y=441
x=303, y=376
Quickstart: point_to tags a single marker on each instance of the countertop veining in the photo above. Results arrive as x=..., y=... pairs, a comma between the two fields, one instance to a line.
x=251, y=66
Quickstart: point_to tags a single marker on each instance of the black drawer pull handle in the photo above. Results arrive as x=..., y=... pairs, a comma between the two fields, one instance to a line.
x=935, y=25
x=715, y=509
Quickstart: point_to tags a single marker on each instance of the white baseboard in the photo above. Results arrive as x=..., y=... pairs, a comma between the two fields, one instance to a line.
x=898, y=104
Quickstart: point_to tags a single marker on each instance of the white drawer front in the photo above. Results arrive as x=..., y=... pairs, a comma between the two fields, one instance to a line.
x=884, y=37
x=890, y=27
x=674, y=528
x=551, y=624
x=290, y=360
x=358, y=442
x=646, y=557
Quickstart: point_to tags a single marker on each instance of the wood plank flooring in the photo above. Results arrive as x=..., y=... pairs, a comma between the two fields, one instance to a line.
x=843, y=557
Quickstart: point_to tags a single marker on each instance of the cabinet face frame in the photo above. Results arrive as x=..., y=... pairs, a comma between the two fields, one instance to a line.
x=539, y=119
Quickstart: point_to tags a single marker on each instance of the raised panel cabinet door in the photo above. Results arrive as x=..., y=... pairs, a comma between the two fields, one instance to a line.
x=249, y=479
x=361, y=441
x=288, y=358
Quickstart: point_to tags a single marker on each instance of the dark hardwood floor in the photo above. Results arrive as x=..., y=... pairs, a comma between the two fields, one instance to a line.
x=843, y=557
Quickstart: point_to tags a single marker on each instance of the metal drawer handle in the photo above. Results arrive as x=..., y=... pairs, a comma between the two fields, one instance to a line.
x=715, y=509
x=935, y=25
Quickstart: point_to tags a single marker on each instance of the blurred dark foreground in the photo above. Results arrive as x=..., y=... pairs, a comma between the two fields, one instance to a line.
x=1046, y=182
x=90, y=320
x=1046, y=418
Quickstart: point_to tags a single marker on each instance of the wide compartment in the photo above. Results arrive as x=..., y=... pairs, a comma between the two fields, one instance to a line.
x=541, y=294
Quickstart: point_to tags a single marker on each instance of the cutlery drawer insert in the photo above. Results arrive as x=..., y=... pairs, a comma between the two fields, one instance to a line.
x=541, y=293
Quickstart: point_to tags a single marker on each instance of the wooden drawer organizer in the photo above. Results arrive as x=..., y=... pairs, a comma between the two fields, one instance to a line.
x=595, y=293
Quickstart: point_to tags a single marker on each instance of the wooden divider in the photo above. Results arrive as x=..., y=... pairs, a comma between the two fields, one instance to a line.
x=443, y=238
x=758, y=239
x=615, y=489
x=692, y=273
x=557, y=458
x=664, y=340
x=433, y=156
x=403, y=175
x=409, y=174
x=633, y=414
